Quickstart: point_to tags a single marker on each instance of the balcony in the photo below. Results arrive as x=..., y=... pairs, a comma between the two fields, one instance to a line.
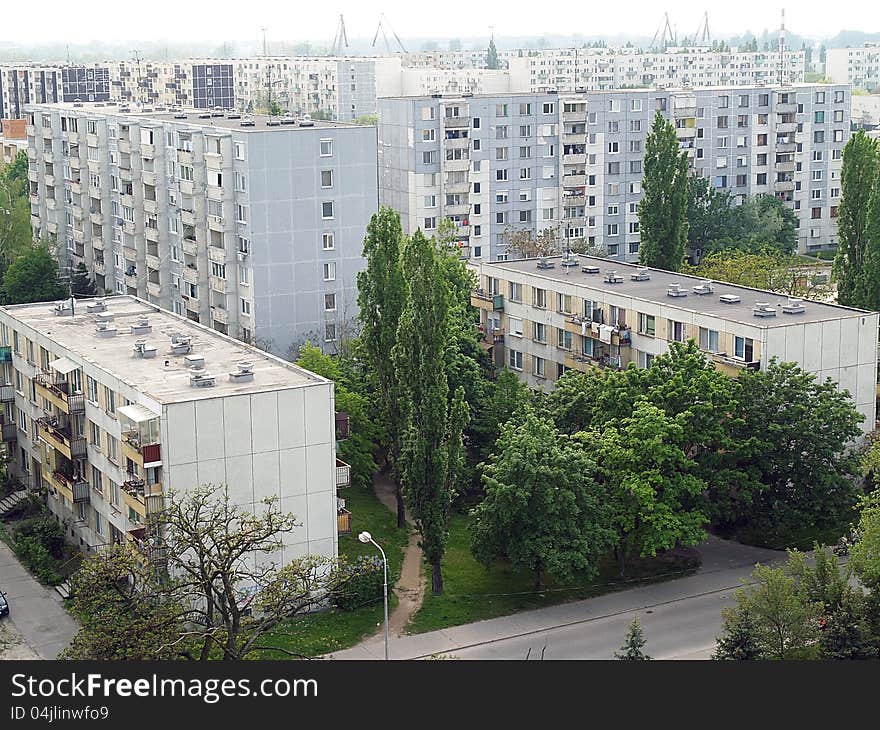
x=75, y=164
x=7, y=394
x=457, y=187
x=74, y=488
x=98, y=243
x=456, y=122
x=458, y=143
x=129, y=227
x=220, y=315
x=573, y=138
x=489, y=302
x=72, y=138
x=140, y=452
x=185, y=157
x=786, y=127
x=133, y=495
x=149, y=177
x=343, y=474
x=732, y=366
x=686, y=132
x=10, y=431
x=48, y=158
x=61, y=439
x=92, y=140
x=216, y=223
x=33, y=176
x=574, y=158
x=100, y=267
x=788, y=166
x=131, y=280
x=154, y=289
x=191, y=275
x=47, y=132
x=343, y=521
x=571, y=200
x=187, y=217
x=186, y=187
x=97, y=218
x=343, y=426
x=148, y=548
x=124, y=146
x=783, y=145
x=462, y=209
x=684, y=110
x=462, y=165
x=786, y=108
x=190, y=246
x=217, y=254
x=574, y=181
x=125, y=175
x=151, y=206
x=148, y=150
x=51, y=204
x=151, y=234
x=784, y=186
x=57, y=392
x=576, y=116
x=152, y=262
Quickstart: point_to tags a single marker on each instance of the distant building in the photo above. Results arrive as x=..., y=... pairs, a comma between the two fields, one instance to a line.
x=857, y=66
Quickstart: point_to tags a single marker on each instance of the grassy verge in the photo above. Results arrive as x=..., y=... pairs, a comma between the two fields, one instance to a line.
x=334, y=630
x=472, y=593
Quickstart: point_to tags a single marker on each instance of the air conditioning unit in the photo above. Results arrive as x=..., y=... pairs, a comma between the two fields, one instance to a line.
x=764, y=309
x=729, y=299
x=612, y=277
x=676, y=290
x=794, y=306
x=704, y=287
x=641, y=275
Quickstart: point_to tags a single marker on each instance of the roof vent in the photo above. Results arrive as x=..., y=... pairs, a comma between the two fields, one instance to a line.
x=201, y=378
x=181, y=344
x=676, y=290
x=180, y=116
x=764, y=309
x=194, y=361
x=247, y=121
x=612, y=277
x=704, y=287
x=641, y=275
x=590, y=269
x=142, y=327
x=98, y=305
x=794, y=306
x=142, y=349
x=543, y=263
x=569, y=260
x=729, y=299
x=104, y=317
x=244, y=373
x=306, y=123
x=105, y=329
x=63, y=308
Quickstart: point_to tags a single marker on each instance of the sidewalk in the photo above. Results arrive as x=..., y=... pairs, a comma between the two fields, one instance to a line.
x=725, y=565
x=35, y=611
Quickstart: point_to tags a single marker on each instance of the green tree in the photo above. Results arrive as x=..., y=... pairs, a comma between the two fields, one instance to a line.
x=492, y=60
x=786, y=625
x=633, y=647
x=432, y=454
x=709, y=216
x=15, y=174
x=797, y=435
x=652, y=483
x=543, y=510
x=865, y=555
x=858, y=183
x=367, y=120
x=33, y=277
x=357, y=449
x=273, y=108
x=738, y=640
x=663, y=207
x=765, y=222
x=846, y=632
x=81, y=284
x=16, y=234
x=381, y=298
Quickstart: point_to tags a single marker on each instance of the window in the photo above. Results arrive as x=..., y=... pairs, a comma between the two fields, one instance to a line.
x=540, y=332
x=525, y=173
x=326, y=178
x=613, y=148
x=501, y=110
x=563, y=339
x=242, y=213
x=327, y=210
x=326, y=148
x=428, y=135
x=708, y=340
x=539, y=298
x=113, y=449
x=245, y=306
x=329, y=271
x=563, y=303
x=647, y=324
x=645, y=359
x=501, y=175
x=515, y=359
x=838, y=135
x=330, y=332
x=95, y=435
x=110, y=400
x=676, y=331
x=525, y=109
x=819, y=136
x=218, y=270
x=818, y=117
x=91, y=389
x=515, y=292
x=743, y=348
x=548, y=107
x=516, y=326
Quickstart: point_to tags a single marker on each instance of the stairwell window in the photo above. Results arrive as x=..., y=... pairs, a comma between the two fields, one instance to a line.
x=647, y=324
x=245, y=306
x=326, y=148
x=328, y=241
x=327, y=210
x=330, y=332
x=330, y=302
x=330, y=271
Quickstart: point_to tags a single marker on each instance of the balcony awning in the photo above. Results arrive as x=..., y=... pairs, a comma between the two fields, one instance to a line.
x=63, y=365
x=137, y=413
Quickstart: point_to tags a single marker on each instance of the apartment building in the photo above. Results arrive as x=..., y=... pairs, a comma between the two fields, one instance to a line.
x=857, y=66
x=573, y=163
x=110, y=404
x=194, y=83
x=252, y=226
x=35, y=83
x=13, y=139
x=571, y=69
x=543, y=317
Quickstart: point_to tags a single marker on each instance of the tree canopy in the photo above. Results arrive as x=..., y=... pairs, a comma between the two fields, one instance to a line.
x=33, y=277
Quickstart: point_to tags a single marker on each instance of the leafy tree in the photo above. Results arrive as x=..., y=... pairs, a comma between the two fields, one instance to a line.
x=858, y=180
x=357, y=449
x=367, y=120
x=381, y=298
x=492, y=60
x=663, y=207
x=273, y=108
x=651, y=482
x=33, y=277
x=432, y=454
x=709, y=216
x=847, y=633
x=764, y=221
x=865, y=555
x=16, y=234
x=738, y=640
x=507, y=399
x=81, y=284
x=633, y=647
x=543, y=509
x=799, y=432
x=786, y=625
x=15, y=174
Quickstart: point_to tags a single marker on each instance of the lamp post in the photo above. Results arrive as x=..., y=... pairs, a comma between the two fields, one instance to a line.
x=366, y=537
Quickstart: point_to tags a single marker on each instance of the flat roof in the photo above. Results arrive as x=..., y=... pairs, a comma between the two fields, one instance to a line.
x=197, y=117
x=655, y=288
x=164, y=383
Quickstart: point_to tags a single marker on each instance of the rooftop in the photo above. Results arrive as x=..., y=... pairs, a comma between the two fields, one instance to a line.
x=226, y=119
x=655, y=289
x=165, y=377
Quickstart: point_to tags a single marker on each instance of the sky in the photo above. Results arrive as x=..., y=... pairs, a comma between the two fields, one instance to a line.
x=221, y=20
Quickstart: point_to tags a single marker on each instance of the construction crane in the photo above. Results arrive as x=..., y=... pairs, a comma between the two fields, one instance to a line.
x=702, y=36
x=664, y=33
x=382, y=23
x=340, y=38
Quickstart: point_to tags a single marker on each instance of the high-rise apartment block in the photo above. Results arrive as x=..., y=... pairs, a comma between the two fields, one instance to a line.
x=252, y=226
x=112, y=404
x=573, y=163
x=34, y=83
x=857, y=66
x=543, y=317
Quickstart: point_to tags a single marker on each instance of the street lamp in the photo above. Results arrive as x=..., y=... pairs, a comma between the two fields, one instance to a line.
x=366, y=537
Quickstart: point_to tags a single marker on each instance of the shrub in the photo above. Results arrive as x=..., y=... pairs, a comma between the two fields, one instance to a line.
x=364, y=584
x=46, y=531
x=37, y=559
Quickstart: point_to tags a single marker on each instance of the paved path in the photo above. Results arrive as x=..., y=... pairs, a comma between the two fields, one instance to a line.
x=35, y=611
x=681, y=619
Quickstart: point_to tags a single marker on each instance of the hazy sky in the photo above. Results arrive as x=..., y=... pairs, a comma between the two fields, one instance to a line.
x=111, y=20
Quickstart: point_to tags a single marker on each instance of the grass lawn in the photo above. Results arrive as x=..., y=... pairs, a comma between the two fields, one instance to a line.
x=471, y=592
x=333, y=630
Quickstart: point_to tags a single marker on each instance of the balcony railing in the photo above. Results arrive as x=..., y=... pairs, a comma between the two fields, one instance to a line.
x=10, y=431
x=343, y=521
x=62, y=439
x=343, y=474
x=343, y=426
x=58, y=393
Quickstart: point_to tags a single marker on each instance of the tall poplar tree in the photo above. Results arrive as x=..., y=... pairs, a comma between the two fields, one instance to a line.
x=381, y=297
x=432, y=452
x=663, y=209
x=859, y=184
